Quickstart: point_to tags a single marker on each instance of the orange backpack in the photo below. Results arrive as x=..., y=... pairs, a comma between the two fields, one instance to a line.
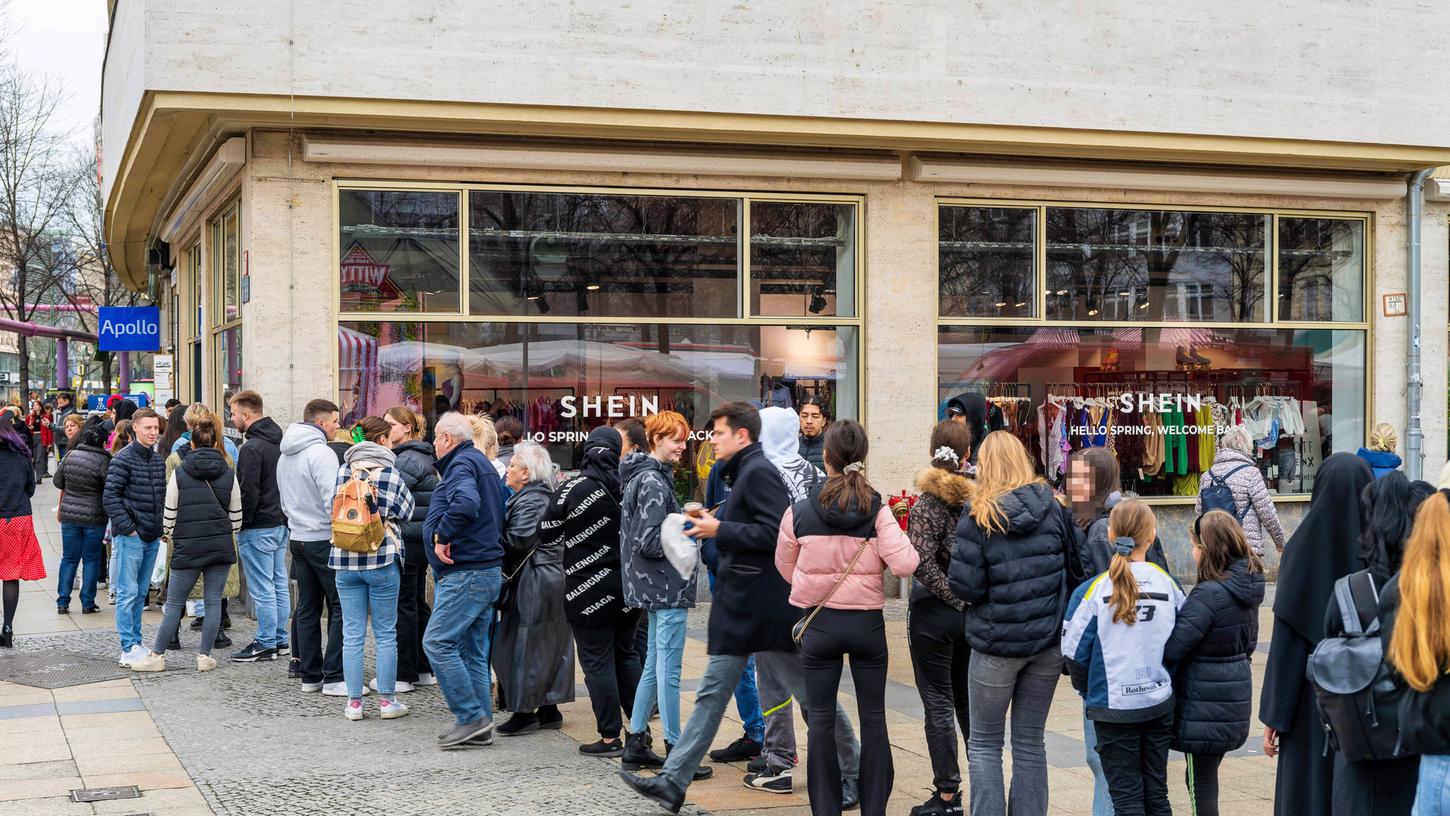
x=356, y=525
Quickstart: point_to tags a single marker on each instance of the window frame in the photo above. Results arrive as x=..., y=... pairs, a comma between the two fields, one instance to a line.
x=743, y=315
x=1270, y=319
x=217, y=324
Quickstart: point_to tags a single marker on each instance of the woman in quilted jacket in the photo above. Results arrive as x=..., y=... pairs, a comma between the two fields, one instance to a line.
x=1213, y=638
x=833, y=548
x=936, y=619
x=1234, y=465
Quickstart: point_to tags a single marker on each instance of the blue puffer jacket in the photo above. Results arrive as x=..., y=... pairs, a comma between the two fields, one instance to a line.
x=135, y=492
x=1381, y=462
x=466, y=512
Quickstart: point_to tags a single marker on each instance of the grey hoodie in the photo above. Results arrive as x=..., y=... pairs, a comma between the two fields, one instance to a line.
x=306, y=476
x=649, y=495
x=779, y=437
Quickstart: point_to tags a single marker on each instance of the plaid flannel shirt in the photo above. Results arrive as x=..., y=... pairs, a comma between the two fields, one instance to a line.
x=395, y=503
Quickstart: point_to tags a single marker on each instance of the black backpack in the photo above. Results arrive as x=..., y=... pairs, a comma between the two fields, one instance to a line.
x=1357, y=696
x=1219, y=496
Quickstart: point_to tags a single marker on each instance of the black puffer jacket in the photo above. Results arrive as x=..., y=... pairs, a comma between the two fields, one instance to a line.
x=1216, y=633
x=813, y=449
x=81, y=475
x=135, y=492
x=206, y=496
x=1014, y=582
x=417, y=464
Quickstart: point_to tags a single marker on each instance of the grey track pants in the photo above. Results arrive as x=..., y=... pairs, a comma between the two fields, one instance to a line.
x=780, y=678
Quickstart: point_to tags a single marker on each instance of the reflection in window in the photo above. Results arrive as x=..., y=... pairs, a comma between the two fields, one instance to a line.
x=1321, y=269
x=399, y=251
x=602, y=255
x=1109, y=264
x=987, y=261
x=228, y=347
x=561, y=379
x=802, y=259
x=1301, y=393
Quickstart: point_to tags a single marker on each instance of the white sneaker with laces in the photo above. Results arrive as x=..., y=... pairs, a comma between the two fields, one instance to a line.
x=339, y=690
x=205, y=663
x=311, y=687
x=400, y=686
x=149, y=663
x=135, y=654
x=391, y=709
x=353, y=710
x=426, y=679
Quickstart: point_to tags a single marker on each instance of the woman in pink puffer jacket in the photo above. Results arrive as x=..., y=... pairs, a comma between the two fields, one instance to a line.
x=819, y=542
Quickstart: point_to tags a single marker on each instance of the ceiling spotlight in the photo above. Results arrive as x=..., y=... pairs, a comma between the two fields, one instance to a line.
x=1062, y=291
x=593, y=287
x=1143, y=305
x=533, y=297
x=1092, y=312
x=1125, y=294
x=1020, y=305
x=999, y=304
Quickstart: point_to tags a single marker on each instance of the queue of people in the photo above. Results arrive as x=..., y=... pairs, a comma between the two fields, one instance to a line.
x=1015, y=586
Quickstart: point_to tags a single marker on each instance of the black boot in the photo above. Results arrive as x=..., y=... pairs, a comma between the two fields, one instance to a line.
x=637, y=754
x=175, y=644
x=7, y=637
x=657, y=788
x=701, y=771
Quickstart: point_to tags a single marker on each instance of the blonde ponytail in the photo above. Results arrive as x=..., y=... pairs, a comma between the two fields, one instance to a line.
x=1131, y=528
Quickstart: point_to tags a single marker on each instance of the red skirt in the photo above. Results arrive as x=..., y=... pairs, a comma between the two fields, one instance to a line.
x=20, y=558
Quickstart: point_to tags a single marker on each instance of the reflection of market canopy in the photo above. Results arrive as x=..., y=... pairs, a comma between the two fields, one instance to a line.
x=413, y=268
x=1003, y=360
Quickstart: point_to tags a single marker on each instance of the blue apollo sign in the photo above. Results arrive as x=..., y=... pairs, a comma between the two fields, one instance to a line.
x=130, y=328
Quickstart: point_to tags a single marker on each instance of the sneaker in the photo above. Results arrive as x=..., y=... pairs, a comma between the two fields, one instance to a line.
x=353, y=710
x=399, y=686
x=426, y=679
x=740, y=750
x=150, y=663
x=478, y=732
x=339, y=690
x=391, y=709
x=90, y=610
x=294, y=669
x=603, y=749
x=131, y=655
x=761, y=764
x=205, y=663
x=253, y=653
x=936, y=806
x=311, y=687
x=771, y=781
x=518, y=725
x=62, y=610
x=283, y=648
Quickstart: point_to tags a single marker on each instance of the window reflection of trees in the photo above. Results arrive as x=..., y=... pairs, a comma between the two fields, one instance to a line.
x=1320, y=268
x=414, y=235
x=598, y=254
x=801, y=249
x=1156, y=261
x=987, y=261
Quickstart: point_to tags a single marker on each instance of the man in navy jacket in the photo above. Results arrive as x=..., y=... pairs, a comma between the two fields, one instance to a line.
x=461, y=537
x=134, y=494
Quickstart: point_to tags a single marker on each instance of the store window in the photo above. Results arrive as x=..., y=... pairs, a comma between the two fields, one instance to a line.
x=802, y=259
x=228, y=366
x=399, y=251
x=193, y=322
x=587, y=306
x=226, y=265
x=1156, y=338
x=562, y=379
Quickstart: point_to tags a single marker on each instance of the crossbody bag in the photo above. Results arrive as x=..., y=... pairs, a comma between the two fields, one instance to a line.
x=798, y=631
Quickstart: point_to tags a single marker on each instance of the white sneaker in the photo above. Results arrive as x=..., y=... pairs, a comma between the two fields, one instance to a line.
x=391, y=709
x=426, y=679
x=311, y=687
x=400, y=686
x=205, y=663
x=338, y=690
x=149, y=663
x=353, y=710
x=132, y=655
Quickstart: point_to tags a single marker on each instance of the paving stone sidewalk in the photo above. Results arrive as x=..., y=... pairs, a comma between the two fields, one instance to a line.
x=244, y=740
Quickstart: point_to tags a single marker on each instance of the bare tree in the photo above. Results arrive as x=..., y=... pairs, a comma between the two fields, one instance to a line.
x=95, y=280
x=36, y=187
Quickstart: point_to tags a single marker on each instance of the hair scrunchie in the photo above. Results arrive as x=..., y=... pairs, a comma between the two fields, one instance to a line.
x=946, y=454
x=854, y=467
x=1124, y=546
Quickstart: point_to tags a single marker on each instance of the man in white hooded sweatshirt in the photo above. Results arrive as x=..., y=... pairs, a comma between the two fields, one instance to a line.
x=779, y=675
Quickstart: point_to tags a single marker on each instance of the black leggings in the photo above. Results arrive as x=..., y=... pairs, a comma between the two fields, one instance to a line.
x=940, y=657
x=611, y=669
x=12, y=600
x=1202, y=777
x=1135, y=761
x=860, y=633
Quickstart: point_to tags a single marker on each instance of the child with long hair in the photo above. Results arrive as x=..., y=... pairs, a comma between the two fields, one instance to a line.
x=1215, y=634
x=1419, y=649
x=1116, y=628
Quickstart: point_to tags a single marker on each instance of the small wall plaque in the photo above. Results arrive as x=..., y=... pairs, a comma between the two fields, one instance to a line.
x=1396, y=305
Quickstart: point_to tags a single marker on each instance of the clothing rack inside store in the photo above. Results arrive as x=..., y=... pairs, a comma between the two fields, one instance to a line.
x=990, y=390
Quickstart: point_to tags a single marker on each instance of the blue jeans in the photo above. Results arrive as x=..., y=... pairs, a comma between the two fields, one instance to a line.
x=661, y=676
x=80, y=546
x=1432, y=797
x=135, y=559
x=457, y=640
x=747, y=696
x=264, y=561
x=361, y=591
x=1102, y=799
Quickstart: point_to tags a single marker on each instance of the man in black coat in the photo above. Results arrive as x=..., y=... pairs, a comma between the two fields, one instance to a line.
x=751, y=613
x=134, y=496
x=262, y=542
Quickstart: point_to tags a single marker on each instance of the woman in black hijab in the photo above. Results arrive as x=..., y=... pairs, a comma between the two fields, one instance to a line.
x=1322, y=550
x=584, y=512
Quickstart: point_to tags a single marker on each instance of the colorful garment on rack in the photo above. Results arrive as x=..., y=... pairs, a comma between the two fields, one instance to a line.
x=1175, y=456
x=1186, y=485
x=1156, y=442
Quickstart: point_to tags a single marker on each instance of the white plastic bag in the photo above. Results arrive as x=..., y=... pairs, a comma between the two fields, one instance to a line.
x=681, y=551
x=158, y=572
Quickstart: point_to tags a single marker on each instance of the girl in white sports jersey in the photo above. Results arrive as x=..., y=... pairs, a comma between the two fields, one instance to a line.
x=1117, y=625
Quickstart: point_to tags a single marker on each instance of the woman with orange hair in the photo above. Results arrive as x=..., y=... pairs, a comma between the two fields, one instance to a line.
x=1420, y=650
